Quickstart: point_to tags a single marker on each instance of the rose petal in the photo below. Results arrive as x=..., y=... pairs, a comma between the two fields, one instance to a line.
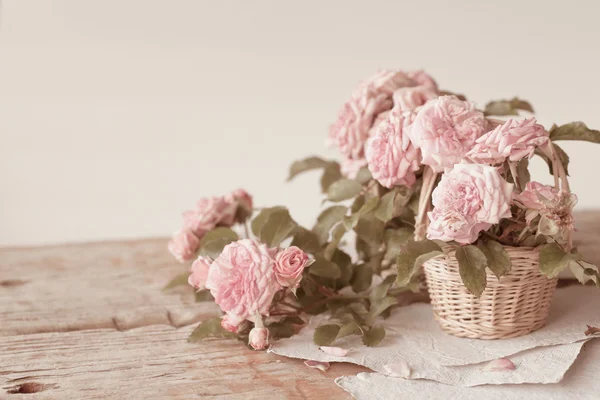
x=334, y=351
x=400, y=369
x=591, y=330
x=323, y=366
x=501, y=364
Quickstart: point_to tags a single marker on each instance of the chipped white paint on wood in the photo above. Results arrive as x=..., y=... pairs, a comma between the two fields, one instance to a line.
x=91, y=321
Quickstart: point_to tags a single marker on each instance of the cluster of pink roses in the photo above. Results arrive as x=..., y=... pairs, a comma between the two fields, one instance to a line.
x=386, y=92
x=244, y=279
x=397, y=122
x=209, y=213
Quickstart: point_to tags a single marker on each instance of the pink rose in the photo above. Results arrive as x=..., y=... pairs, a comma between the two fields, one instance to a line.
x=445, y=129
x=351, y=130
x=349, y=167
x=385, y=81
x=289, y=265
x=209, y=212
x=423, y=79
x=537, y=195
x=199, y=274
x=359, y=114
x=469, y=199
x=410, y=98
x=515, y=139
x=231, y=322
x=239, y=207
x=242, y=279
x=258, y=338
x=184, y=245
x=391, y=157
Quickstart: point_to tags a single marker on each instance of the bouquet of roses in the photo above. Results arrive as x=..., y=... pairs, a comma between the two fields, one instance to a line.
x=417, y=163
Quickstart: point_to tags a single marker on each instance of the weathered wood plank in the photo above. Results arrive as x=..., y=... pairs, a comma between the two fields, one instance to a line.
x=89, y=286
x=155, y=362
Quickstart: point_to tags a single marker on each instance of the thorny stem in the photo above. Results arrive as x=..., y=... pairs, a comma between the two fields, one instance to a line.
x=246, y=230
x=513, y=172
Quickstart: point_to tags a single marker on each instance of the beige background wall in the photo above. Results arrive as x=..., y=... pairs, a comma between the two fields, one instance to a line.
x=117, y=114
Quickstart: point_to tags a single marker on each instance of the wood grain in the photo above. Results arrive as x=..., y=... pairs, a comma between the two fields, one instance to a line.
x=91, y=321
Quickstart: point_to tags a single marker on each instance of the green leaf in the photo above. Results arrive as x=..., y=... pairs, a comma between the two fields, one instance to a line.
x=523, y=172
x=282, y=329
x=362, y=278
x=209, y=329
x=548, y=226
x=306, y=240
x=498, y=260
x=507, y=107
x=370, y=230
x=385, y=210
x=368, y=206
x=326, y=220
x=261, y=218
x=394, y=240
x=325, y=334
x=381, y=290
x=351, y=328
x=202, y=296
x=381, y=305
x=179, y=280
x=307, y=164
x=363, y=175
x=277, y=228
x=214, y=241
x=412, y=256
x=373, y=336
x=553, y=259
x=574, y=131
x=563, y=157
x=331, y=174
x=343, y=189
x=336, y=236
x=324, y=268
x=471, y=266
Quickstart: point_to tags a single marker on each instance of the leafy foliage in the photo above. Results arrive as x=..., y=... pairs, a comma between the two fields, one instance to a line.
x=278, y=226
x=305, y=165
x=497, y=258
x=471, y=266
x=214, y=241
x=179, y=280
x=412, y=256
x=574, y=131
x=343, y=189
x=209, y=329
x=507, y=107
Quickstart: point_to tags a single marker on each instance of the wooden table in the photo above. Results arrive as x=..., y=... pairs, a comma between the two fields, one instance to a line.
x=91, y=321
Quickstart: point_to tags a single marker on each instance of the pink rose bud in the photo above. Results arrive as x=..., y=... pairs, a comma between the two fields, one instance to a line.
x=242, y=279
x=259, y=338
x=445, y=129
x=469, y=199
x=231, y=322
x=289, y=265
x=184, y=245
x=208, y=213
x=199, y=272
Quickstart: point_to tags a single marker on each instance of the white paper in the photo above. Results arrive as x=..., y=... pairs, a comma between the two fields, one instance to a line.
x=581, y=382
x=414, y=337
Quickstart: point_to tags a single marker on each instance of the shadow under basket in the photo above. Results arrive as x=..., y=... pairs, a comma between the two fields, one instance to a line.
x=514, y=305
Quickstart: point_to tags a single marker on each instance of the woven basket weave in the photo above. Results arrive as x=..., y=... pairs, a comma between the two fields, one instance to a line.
x=515, y=305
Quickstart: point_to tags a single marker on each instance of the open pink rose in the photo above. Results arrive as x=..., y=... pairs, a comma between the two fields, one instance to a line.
x=410, y=98
x=513, y=140
x=391, y=157
x=359, y=114
x=289, y=265
x=184, y=245
x=209, y=212
x=200, y=267
x=469, y=199
x=242, y=279
x=423, y=79
x=258, y=338
x=238, y=209
x=445, y=129
x=537, y=196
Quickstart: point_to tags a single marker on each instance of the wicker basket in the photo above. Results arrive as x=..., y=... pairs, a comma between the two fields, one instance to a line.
x=514, y=305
